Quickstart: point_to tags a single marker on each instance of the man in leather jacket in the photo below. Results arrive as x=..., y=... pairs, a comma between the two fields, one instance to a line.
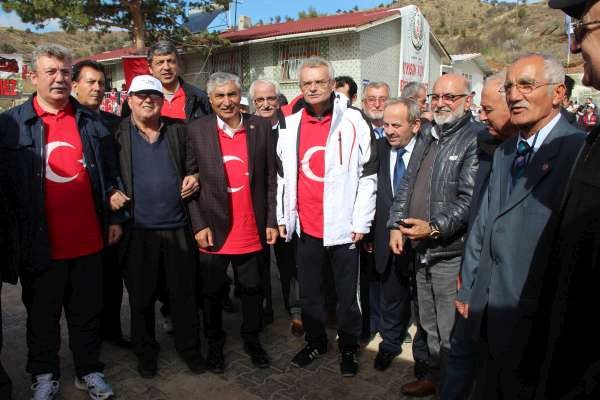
x=431, y=210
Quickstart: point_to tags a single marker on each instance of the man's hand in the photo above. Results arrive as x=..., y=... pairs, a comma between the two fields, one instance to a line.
x=396, y=242
x=272, y=234
x=114, y=234
x=117, y=200
x=282, y=231
x=189, y=186
x=419, y=230
x=462, y=308
x=357, y=237
x=204, y=238
x=367, y=246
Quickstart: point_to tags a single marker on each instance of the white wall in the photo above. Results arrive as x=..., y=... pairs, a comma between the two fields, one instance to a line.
x=435, y=63
x=380, y=54
x=476, y=74
x=344, y=55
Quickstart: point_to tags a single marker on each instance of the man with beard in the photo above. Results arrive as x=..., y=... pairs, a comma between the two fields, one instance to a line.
x=496, y=115
x=431, y=209
x=374, y=97
x=510, y=241
x=265, y=96
x=563, y=324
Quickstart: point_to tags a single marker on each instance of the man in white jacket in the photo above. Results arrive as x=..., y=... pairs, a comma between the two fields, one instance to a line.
x=326, y=196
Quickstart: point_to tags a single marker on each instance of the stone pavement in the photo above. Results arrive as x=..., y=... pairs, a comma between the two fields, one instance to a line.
x=241, y=381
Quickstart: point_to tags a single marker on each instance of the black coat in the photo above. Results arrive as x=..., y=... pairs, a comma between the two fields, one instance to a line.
x=452, y=182
x=564, y=337
x=22, y=172
x=212, y=209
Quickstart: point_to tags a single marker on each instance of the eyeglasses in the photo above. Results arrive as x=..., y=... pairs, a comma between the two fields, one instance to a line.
x=447, y=97
x=373, y=99
x=524, y=87
x=580, y=29
x=144, y=95
x=261, y=100
x=320, y=84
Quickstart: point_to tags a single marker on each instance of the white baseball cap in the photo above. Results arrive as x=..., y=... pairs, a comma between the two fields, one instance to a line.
x=145, y=83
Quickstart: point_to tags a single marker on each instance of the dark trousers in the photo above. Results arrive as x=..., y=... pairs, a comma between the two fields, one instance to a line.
x=395, y=305
x=461, y=363
x=213, y=268
x=436, y=291
x=285, y=255
x=370, y=295
x=5, y=382
x=112, y=278
x=312, y=257
x=76, y=285
x=265, y=276
x=150, y=256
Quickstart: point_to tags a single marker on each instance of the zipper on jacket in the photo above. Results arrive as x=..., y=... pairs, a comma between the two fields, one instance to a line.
x=340, y=145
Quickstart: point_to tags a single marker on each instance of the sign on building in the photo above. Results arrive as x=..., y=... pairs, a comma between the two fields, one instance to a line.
x=414, y=47
x=11, y=69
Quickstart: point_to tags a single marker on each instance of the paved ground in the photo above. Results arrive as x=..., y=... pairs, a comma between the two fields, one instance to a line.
x=240, y=382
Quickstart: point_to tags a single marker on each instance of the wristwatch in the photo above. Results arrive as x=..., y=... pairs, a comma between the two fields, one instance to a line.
x=435, y=230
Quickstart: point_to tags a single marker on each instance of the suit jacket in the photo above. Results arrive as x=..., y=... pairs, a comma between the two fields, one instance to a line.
x=212, y=210
x=509, y=244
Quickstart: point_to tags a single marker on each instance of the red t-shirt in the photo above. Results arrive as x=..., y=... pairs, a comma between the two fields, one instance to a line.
x=176, y=107
x=311, y=172
x=73, y=224
x=243, y=237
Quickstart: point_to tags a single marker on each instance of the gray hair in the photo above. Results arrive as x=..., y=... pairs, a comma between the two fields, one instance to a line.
x=411, y=90
x=412, y=108
x=375, y=85
x=220, y=79
x=313, y=62
x=274, y=84
x=50, y=50
x=553, y=69
x=162, y=48
x=498, y=76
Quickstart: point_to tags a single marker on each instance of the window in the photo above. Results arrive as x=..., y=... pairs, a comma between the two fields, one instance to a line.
x=292, y=54
x=227, y=61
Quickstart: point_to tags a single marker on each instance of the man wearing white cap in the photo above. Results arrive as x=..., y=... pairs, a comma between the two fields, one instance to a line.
x=158, y=243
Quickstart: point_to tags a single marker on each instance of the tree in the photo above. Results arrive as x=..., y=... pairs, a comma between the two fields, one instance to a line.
x=144, y=20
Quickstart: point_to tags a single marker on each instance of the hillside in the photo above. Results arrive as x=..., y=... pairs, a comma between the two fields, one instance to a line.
x=500, y=31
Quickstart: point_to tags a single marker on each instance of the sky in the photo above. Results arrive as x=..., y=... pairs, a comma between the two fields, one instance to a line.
x=255, y=9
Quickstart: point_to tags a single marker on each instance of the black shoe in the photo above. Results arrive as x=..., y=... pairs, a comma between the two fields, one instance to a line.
x=147, y=368
x=383, y=360
x=257, y=354
x=196, y=364
x=421, y=369
x=228, y=305
x=215, y=360
x=349, y=363
x=307, y=355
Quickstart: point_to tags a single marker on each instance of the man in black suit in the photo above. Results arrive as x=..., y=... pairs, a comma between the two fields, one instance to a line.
x=235, y=217
x=88, y=87
x=401, y=123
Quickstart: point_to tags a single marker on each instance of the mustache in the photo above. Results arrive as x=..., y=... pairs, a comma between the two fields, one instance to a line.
x=520, y=103
x=59, y=86
x=442, y=109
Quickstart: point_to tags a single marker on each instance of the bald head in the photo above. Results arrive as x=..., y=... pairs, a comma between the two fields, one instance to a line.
x=450, y=99
x=494, y=110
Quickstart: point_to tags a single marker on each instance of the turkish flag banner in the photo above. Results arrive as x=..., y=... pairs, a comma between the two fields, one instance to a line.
x=134, y=66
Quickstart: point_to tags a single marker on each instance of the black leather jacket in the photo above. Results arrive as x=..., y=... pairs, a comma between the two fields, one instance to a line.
x=452, y=181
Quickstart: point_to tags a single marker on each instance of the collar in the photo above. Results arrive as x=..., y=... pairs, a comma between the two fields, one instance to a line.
x=451, y=127
x=40, y=112
x=328, y=110
x=409, y=147
x=542, y=134
x=229, y=130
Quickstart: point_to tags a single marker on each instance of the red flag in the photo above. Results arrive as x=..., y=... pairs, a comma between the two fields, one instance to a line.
x=134, y=66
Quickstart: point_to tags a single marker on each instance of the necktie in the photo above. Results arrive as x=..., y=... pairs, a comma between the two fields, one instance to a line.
x=520, y=162
x=379, y=133
x=399, y=169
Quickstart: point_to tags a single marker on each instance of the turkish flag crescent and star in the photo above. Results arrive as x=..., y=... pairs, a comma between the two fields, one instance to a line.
x=134, y=66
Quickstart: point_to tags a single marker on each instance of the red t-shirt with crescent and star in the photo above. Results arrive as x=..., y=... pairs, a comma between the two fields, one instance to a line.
x=243, y=237
x=311, y=172
x=73, y=224
x=175, y=108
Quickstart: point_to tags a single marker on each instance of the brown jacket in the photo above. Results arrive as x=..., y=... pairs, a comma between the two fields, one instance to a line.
x=212, y=208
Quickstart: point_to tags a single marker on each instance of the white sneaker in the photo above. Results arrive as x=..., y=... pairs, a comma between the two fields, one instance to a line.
x=96, y=386
x=44, y=388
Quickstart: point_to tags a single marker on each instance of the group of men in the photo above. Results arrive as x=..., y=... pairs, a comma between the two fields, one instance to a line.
x=484, y=235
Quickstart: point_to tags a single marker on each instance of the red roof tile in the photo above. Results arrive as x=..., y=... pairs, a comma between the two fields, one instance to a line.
x=309, y=25
x=110, y=55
